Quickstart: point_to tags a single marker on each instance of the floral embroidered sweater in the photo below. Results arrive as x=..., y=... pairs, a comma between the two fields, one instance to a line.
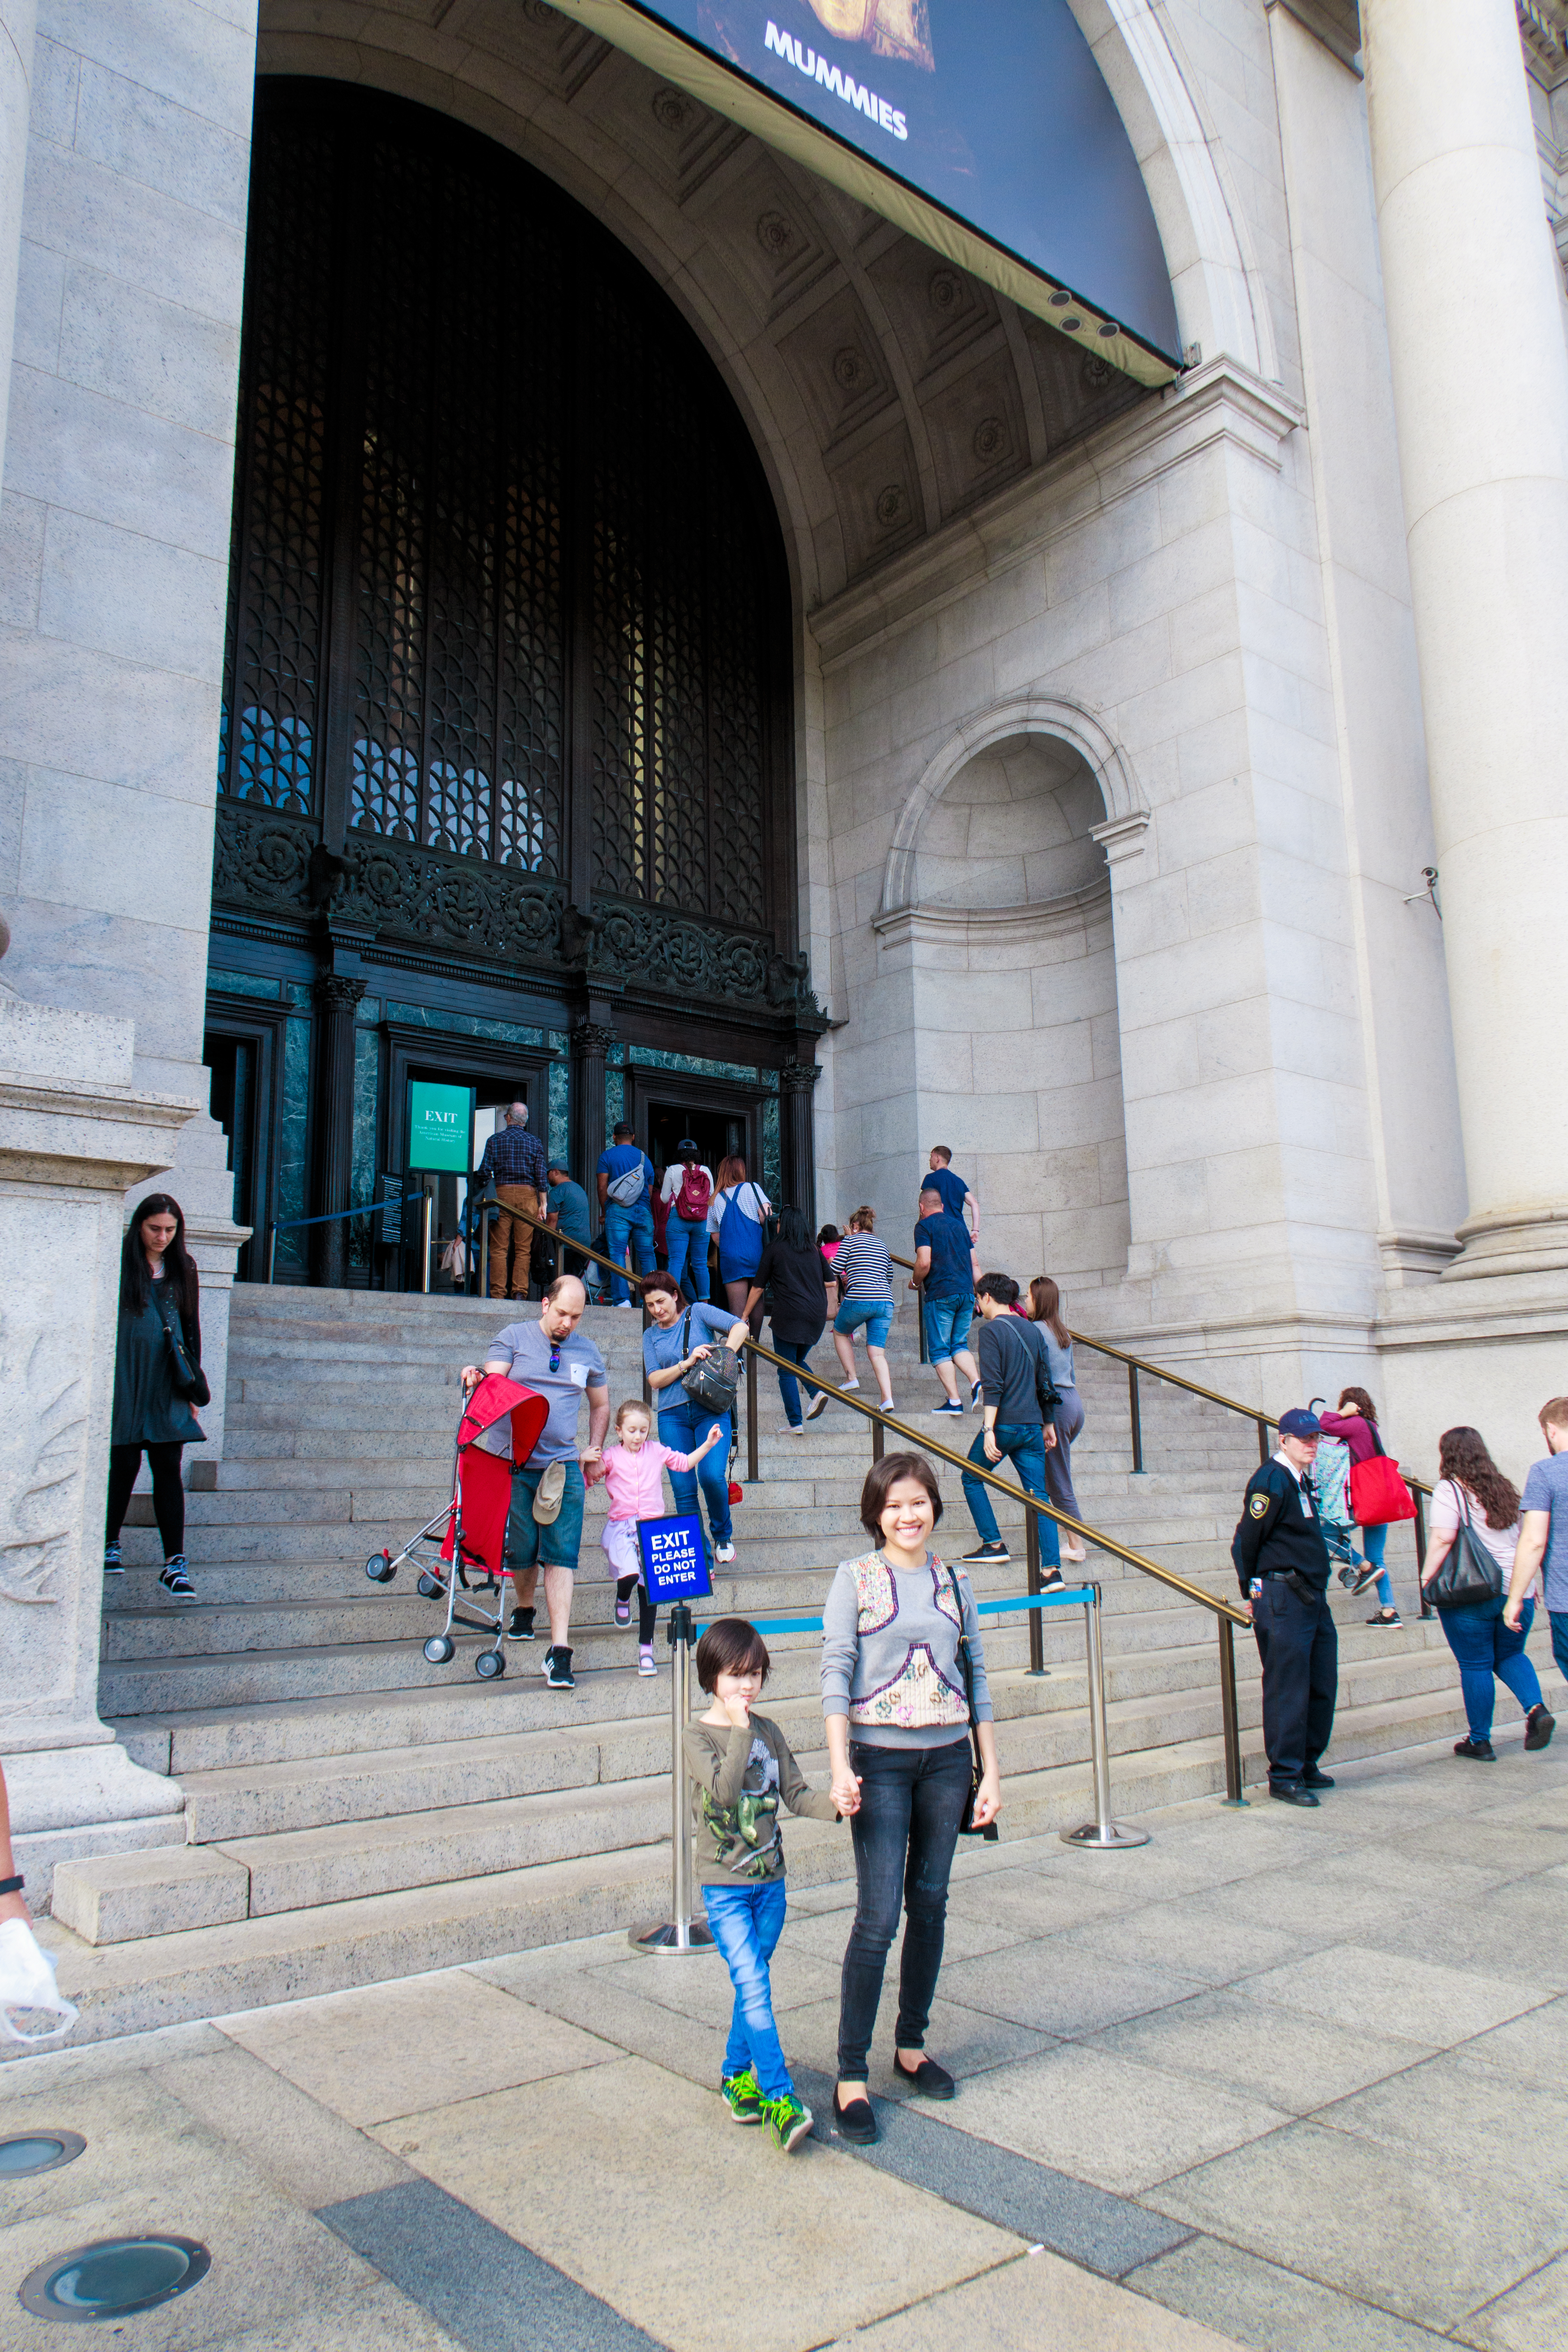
x=889, y=1653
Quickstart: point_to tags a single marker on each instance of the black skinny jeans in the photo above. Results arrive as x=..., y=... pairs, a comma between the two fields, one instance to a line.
x=912, y=1803
x=168, y=1493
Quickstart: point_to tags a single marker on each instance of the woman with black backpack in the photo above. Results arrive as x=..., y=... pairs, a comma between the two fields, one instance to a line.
x=1015, y=1381
x=157, y=1379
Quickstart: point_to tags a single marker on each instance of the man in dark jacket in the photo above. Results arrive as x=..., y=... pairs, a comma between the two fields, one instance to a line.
x=1282, y=1566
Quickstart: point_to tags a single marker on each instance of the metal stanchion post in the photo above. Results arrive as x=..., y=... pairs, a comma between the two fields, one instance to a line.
x=1101, y=1835
x=877, y=1439
x=1135, y=1412
x=425, y=1244
x=680, y=1932
x=646, y=1383
x=1427, y=1608
x=1036, y=1616
x=1229, y=1719
x=271, y=1252
x=752, y=1472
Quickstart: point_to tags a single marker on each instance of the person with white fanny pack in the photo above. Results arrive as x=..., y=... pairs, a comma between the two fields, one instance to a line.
x=27, y=1987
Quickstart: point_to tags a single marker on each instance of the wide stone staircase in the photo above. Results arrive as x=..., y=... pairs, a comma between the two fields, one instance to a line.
x=354, y=1813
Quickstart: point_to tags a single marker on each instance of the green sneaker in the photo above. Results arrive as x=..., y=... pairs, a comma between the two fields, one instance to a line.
x=789, y=2120
x=743, y=2097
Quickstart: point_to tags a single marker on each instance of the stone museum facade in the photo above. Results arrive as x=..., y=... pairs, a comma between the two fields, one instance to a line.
x=508, y=580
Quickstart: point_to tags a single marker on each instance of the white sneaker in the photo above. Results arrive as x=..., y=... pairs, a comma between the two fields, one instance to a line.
x=885, y=1404
x=627, y=1303
x=818, y=1404
x=847, y=1386
x=725, y=1554
x=647, y=1663
x=788, y=1429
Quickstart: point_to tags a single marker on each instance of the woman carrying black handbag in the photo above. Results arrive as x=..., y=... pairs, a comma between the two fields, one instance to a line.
x=902, y=1700
x=1470, y=1558
x=157, y=1380
x=682, y=1354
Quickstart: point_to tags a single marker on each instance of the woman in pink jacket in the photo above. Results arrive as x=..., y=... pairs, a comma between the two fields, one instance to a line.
x=633, y=1471
x=1357, y=1428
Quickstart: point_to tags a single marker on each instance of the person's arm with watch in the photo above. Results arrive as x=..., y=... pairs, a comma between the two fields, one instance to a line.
x=734, y=1339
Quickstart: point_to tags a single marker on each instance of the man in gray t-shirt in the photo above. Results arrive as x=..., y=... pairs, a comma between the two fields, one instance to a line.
x=544, y=1528
x=1543, y=1531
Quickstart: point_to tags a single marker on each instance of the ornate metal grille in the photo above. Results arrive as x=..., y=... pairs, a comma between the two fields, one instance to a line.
x=482, y=456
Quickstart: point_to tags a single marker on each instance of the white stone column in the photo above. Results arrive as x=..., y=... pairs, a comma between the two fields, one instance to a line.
x=18, y=23
x=74, y=1132
x=1480, y=382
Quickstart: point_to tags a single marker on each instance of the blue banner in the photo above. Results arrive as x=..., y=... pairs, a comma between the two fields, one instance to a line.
x=674, y=1559
x=986, y=125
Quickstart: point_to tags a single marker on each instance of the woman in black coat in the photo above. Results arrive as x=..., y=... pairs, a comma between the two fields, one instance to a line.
x=160, y=1305
x=792, y=1270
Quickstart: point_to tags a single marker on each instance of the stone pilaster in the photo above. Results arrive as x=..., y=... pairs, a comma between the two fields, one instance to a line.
x=74, y=1134
x=1480, y=384
x=591, y=1043
x=797, y=1140
x=337, y=998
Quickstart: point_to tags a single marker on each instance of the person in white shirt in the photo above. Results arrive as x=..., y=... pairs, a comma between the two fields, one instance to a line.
x=687, y=1192
x=1471, y=1492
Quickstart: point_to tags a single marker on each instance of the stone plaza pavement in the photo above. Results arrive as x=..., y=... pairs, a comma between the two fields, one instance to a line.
x=1277, y=2079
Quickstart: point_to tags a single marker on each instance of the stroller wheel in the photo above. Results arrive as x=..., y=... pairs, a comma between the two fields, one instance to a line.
x=429, y=1586
x=379, y=1568
x=489, y=1665
x=439, y=1648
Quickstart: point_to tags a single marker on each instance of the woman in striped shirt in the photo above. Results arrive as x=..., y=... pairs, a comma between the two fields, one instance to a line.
x=863, y=1271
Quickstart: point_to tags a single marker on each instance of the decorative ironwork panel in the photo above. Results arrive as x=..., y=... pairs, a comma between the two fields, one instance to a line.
x=267, y=747
x=481, y=455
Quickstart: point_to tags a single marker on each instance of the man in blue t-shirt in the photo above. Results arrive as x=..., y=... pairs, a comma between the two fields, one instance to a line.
x=1544, y=1532
x=625, y=1203
x=947, y=1270
x=952, y=1190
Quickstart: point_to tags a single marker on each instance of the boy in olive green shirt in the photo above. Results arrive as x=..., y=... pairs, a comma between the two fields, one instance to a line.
x=741, y=1768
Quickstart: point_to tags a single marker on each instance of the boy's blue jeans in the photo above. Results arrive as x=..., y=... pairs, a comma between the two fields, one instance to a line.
x=747, y=1922
x=1024, y=1444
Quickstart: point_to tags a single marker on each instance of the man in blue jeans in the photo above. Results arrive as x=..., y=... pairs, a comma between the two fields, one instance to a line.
x=625, y=1203
x=946, y=1269
x=1015, y=1425
x=1544, y=1532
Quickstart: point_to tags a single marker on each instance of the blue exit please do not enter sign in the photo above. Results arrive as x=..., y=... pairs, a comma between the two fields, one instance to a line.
x=674, y=1560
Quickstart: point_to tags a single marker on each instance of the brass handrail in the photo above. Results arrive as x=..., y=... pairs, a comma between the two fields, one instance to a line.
x=923, y=1444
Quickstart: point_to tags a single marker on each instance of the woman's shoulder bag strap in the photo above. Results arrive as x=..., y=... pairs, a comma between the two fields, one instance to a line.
x=969, y=1826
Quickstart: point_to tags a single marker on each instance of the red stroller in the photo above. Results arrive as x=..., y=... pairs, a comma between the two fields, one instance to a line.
x=499, y=1428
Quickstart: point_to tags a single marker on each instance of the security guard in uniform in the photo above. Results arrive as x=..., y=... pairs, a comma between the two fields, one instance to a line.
x=1282, y=1565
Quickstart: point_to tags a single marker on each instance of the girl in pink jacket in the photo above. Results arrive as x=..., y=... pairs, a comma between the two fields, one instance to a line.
x=634, y=1479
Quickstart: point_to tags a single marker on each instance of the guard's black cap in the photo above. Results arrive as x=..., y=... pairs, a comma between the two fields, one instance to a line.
x=1299, y=1423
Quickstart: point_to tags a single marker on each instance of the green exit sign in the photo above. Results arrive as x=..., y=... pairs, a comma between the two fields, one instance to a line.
x=440, y=1127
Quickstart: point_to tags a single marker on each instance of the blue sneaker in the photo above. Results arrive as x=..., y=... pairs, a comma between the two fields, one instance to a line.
x=112, y=1563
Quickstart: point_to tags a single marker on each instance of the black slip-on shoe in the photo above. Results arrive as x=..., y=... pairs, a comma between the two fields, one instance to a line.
x=1291, y=1793
x=855, y=2122
x=1479, y=1751
x=1312, y=1779
x=1539, y=1726
x=931, y=2081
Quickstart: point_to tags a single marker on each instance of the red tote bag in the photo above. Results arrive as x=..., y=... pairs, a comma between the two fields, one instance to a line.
x=1379, y=1495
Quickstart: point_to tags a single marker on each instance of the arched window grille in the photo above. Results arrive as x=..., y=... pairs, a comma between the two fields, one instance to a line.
x=506, y=583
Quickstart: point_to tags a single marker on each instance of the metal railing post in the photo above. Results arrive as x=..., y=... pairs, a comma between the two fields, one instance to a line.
x=1264, y=1448
x=752, y=1472
x=425, y=1244
x=1136, y=1415
x=1415, y=1493
x=1101, y=1835
x=877, y=1439
x=680, y=1932
x=646, y=1383
x=1230, y=1721
x=920, y=1312
x=271, y=1252
x=1036, y=1616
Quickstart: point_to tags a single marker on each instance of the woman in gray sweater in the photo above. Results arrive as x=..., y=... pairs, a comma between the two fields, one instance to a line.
x=898, y=1740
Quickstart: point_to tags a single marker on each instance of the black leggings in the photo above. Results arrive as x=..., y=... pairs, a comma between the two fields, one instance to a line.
x=168, y=1494
x=648, y=1611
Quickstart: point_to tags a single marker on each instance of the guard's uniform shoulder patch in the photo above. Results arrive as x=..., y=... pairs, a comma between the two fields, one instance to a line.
x=1259, y=1505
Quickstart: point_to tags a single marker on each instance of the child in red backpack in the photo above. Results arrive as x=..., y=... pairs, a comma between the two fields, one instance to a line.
x=687, y=1191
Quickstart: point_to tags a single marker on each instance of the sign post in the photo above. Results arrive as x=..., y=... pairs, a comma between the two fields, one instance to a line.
x=675, y=1571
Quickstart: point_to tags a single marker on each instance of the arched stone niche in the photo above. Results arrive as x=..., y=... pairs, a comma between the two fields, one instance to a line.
x=1004, y=929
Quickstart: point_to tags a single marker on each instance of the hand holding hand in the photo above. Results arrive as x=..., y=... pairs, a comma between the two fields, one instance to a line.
x=846, y=1792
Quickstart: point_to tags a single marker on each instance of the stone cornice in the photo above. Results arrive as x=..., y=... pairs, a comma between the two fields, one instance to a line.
x=1215, y=402
x=991, y=926
x=59, y=1132
x=1335, y=23
x=1543, y=27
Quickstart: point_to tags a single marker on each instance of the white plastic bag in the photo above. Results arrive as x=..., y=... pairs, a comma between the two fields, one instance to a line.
x=27, y=1989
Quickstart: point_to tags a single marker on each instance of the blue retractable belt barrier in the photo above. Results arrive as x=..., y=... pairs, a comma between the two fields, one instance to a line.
x=1076, y=1593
